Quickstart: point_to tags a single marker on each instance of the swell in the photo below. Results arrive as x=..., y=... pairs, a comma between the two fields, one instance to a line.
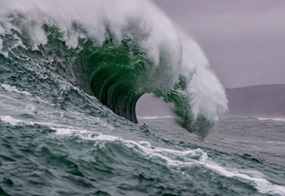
x=115, y=72
x=115, y=60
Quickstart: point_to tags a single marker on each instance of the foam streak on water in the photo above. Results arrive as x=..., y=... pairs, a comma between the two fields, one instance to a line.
x=177, y=159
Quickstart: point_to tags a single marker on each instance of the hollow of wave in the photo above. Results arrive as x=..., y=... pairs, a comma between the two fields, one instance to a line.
x=116, y=72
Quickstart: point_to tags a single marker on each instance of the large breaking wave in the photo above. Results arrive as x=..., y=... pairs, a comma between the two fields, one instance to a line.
x=117, y=51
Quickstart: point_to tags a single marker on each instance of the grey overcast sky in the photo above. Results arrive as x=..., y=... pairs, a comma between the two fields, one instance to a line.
x=243, y=39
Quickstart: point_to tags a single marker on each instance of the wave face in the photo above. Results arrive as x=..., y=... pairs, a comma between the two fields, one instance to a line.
x=116, y=53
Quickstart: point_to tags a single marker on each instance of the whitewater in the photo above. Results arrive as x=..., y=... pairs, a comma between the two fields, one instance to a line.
x=71, y=73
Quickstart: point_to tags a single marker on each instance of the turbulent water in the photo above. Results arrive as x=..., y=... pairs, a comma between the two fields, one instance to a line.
x=70, y=77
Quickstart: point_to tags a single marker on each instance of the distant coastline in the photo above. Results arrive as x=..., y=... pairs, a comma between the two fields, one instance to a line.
x=257, y=101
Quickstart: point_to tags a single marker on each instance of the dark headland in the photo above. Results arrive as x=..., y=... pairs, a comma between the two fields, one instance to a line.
x=257, y=101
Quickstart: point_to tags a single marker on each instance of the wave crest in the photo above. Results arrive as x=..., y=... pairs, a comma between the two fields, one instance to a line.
x=115, y=54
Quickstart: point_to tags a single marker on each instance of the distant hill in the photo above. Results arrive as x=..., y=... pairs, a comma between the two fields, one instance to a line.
x=259, y=101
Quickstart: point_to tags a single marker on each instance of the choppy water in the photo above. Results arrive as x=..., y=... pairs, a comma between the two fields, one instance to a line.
x=72, y=147
x=263, y=139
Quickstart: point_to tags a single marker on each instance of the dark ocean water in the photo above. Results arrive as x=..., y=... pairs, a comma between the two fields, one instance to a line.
x=67, y=148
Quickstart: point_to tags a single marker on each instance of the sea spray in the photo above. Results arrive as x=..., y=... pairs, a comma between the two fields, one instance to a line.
x=116, y=53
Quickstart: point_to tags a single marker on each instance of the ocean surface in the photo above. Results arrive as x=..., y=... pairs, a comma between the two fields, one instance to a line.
x=262, y=138
x=77, y=147
x=71, y=74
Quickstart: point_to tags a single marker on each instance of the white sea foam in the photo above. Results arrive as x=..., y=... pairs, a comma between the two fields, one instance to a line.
x=61, y=129
x=154, y=117
x=275, y=119
x=186, y=158
x=14, y=121
x=261, y=184
x=273, y=142
x=14, y=89
x=140, y=19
